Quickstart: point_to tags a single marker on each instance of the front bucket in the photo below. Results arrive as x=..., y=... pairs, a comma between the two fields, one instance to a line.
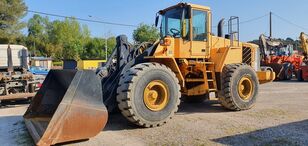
x=68, y=107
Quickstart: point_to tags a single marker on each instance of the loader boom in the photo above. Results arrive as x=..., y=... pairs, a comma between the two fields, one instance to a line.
x=304, y=45
x=303, y=71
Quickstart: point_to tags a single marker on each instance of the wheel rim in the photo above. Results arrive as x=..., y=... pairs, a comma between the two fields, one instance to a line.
x=156, y=95
x=245, y=88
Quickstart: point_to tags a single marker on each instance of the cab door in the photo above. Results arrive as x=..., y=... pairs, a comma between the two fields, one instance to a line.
x=199, y=33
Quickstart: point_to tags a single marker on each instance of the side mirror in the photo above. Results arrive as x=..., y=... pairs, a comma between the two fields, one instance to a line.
x=156, y=20
x=189, y=12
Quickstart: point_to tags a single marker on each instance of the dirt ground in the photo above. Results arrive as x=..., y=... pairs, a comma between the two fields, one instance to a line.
x=280, y=117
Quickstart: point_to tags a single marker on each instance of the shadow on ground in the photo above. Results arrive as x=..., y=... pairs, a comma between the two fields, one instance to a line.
x=293, y=81
x=14, y=132
x=116, y=121
x=211, y=106
x=295, y=133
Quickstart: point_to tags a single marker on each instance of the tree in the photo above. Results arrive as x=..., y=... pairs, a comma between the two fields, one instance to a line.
x=145, y=33
x=65, y=39
x=71, y=36
x=37, y=35
x=289, y=40
x=11, y=11
x=95, y=48
x=37, y=26
x=111, y=43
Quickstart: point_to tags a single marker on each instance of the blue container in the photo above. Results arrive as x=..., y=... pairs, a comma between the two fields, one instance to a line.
x=69, y=64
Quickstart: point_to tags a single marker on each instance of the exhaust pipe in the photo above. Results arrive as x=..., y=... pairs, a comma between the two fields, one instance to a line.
x=24, y=58
x=9, y=60
x=220, y=27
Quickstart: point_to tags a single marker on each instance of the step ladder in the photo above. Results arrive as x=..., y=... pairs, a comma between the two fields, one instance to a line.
x=211, y=80
x=208, y=76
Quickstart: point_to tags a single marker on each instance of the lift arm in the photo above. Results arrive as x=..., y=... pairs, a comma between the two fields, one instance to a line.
x=304, y=44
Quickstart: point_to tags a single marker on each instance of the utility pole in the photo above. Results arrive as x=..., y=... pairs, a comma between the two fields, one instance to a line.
x=270, y=21
x=106, y=49
x=107, y=35
x=106, y=38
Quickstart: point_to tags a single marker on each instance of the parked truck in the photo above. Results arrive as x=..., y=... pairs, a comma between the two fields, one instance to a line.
x=15, y=80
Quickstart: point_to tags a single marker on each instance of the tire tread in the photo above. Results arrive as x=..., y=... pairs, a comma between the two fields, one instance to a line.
x=124, y=90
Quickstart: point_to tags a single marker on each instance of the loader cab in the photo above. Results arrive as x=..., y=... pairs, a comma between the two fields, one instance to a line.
x=189, y=27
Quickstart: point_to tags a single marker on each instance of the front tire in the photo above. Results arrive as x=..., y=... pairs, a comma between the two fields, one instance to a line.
x=148, y=94
x=240, y=87
x=288, y=71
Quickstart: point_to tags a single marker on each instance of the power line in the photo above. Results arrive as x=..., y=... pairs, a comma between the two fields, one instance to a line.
x=82, y=19
x=290, y=22
x=254, y=19
x=120, y=24
x=130, y=25
x=249, y=20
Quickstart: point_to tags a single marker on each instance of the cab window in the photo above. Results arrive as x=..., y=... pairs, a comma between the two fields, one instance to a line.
x=172, y=23
x=199, y=20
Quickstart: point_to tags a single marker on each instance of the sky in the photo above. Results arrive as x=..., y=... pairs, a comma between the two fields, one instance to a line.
x=135, y=12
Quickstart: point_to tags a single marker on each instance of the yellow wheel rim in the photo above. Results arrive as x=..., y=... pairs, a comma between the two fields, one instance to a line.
x=245, y=88
x=156, y=95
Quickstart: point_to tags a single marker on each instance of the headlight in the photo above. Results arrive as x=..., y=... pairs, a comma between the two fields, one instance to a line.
x=166, y=41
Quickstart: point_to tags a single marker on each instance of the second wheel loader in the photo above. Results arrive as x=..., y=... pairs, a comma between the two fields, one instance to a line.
x=146, y=83
x=280, y=57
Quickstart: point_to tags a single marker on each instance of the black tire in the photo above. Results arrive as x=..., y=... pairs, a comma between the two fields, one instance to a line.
x=231, y=76
x=131, y=89
x=288, y=71
x=277, y=69
x=195, y=99
x=300, y=75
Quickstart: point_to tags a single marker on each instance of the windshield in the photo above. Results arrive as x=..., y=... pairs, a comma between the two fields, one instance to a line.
x=171, y=23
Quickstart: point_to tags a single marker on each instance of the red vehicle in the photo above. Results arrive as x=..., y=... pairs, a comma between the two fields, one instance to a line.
x=280, y=57
x=303, y=69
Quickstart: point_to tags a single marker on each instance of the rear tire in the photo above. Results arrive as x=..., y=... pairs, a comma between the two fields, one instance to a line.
x=142, y=84
x=300, y=75
x=240, y=87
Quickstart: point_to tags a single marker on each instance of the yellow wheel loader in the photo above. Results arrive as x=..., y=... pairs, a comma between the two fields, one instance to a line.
x=146, y=82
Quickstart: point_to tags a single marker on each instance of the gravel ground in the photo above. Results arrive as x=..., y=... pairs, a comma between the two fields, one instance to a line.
x=12, y=128
x=280, y=117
